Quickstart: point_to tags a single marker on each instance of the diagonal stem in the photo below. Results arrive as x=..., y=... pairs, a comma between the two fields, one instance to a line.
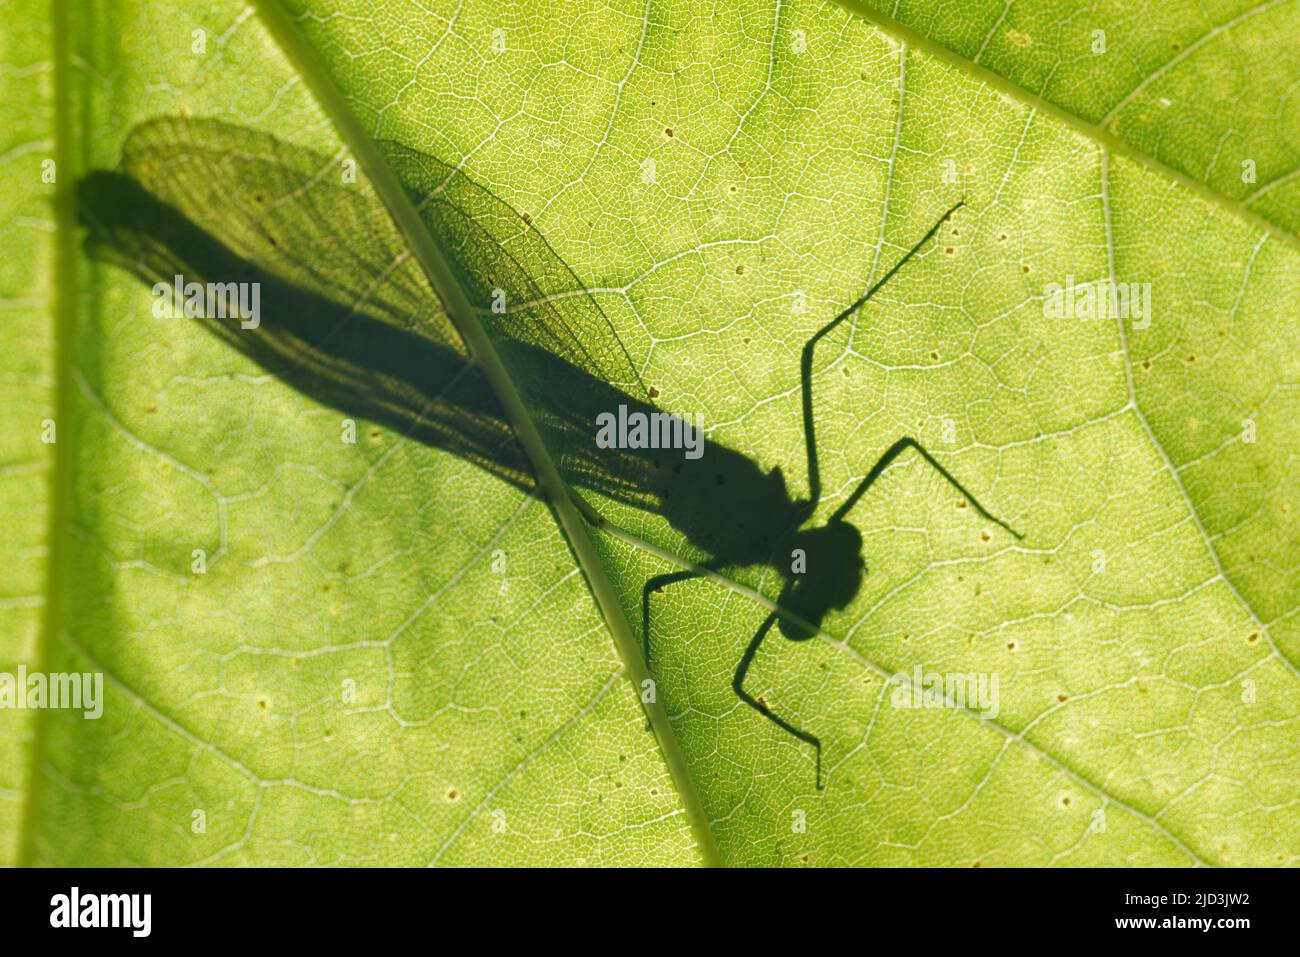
x=442, y=278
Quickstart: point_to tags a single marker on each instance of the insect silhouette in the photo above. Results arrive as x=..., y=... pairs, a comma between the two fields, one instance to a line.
x=348, y=318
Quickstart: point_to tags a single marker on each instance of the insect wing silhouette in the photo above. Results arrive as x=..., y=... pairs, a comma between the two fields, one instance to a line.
x=347, y=314
x=348, y=317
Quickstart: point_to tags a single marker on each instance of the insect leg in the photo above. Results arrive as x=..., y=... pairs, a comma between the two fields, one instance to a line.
x=657, y=583
x=893, y=452
x=806, y=358
x=738, y=685
x=653, y=585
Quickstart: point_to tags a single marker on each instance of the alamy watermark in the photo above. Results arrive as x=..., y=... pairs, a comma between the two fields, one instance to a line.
x=1100, y=299
x=133, y=912
x=970, y=691
x=654, y=430
x=213, y=300
x=58, y=690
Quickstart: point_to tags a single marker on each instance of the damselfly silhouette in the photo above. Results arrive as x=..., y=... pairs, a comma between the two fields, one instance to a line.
x=348, y=318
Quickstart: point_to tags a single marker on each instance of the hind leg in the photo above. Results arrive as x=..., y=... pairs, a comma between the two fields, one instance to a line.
x=806, y=360
x=658, y=583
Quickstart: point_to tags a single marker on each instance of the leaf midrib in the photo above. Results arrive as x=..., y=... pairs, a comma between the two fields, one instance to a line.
x=65, y=317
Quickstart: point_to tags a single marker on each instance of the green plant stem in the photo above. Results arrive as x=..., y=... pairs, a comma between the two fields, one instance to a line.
x=454, y=299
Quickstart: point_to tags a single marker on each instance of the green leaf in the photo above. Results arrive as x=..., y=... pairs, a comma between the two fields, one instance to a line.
x=422, y=648
x=1199, y=90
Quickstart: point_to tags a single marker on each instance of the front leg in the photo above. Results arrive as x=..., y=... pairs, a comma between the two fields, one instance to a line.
x=738, y=685
x=893, y=452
